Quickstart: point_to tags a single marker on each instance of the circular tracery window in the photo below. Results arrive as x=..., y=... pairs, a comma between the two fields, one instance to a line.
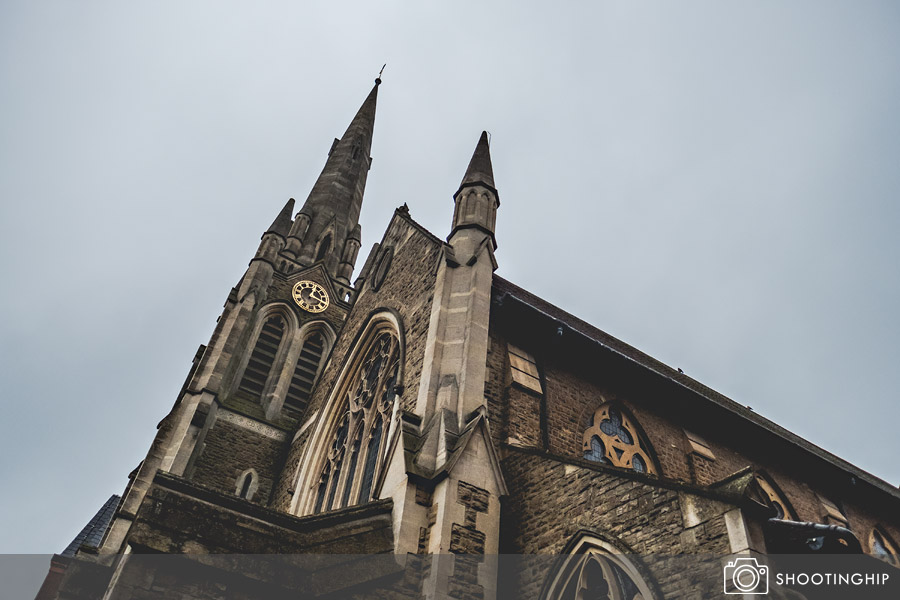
x=613, y=439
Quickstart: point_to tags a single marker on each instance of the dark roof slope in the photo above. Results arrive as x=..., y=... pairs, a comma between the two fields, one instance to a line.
x=93, y=532
x=507, y=290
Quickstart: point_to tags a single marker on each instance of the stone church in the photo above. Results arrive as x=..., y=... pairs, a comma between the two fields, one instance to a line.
x=430, y=408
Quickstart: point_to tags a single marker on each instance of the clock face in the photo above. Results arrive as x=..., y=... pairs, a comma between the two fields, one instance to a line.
x=310, y=296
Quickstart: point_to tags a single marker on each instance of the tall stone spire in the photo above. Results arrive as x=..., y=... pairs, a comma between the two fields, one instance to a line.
x=324, y=228
x=477, y=199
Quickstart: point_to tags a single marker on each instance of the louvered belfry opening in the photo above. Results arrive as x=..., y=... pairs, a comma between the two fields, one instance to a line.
x=262, y=357
x=305, y=372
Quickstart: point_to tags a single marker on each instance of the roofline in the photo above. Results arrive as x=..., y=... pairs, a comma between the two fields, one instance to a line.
x=701, y=391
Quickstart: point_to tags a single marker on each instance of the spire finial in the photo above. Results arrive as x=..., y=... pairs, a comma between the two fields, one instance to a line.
x=378, y=79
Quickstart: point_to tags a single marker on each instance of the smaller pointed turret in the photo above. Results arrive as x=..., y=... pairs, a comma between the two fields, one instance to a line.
x=477, y=199
x=282, y=223
x=274, y=238
x=480, y=169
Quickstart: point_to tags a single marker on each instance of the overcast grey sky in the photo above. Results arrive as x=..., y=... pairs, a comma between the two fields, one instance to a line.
x=715, y=183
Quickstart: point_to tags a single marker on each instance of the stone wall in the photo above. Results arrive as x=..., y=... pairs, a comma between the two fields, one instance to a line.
x=408, y=289
x=230, y=449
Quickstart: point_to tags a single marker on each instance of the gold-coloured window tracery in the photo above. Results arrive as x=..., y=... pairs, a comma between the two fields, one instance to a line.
x=775, y=499
x=882, y=547
x=613, y=439
x=356, y=451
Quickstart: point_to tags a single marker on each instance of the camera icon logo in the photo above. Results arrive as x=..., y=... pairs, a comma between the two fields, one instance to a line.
x=746, y=576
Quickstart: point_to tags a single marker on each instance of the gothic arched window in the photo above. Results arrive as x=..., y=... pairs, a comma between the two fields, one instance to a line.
x=247, y=484
x=775, y=499
x=324, y=247
x=256, y=373
x=882, y=547
x=305, y=372
x=614, y=439
x=594, y=571
x=356, y=450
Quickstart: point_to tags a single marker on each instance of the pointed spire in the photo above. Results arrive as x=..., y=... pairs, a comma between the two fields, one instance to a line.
x=476, y=200
x=480, y=169
x=282, y=223
x=363, y=123
x=335, y=201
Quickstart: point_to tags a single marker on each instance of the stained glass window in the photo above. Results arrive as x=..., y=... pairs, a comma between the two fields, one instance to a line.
x=884, y=549
x=612, y=438
x=597, y=575
x=353, y=462
x=775, y=499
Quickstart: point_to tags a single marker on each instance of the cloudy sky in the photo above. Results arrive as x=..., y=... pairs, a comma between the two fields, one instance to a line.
x=714, y=183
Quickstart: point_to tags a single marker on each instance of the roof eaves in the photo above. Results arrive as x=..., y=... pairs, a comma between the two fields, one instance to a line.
x=634, y=355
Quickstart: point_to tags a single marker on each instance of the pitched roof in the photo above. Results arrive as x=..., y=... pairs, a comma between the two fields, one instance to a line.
x=93, y=532
x=509, y=291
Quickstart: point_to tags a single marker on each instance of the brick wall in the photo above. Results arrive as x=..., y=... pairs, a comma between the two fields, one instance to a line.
x=576, y=385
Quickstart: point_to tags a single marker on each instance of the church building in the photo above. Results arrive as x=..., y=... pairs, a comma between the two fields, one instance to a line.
x=429, y=408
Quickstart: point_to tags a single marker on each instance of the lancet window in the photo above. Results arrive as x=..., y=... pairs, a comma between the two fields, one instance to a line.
x=613, y=438
x=305, y=372
x=262, y=357
x=247, y=484
x=357, y=446
x=324, y=247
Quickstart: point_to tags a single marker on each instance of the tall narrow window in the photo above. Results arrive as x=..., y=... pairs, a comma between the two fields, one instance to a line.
x=247, y=484
x=613, y=438
x=324, y=247
x=305, y=372
x=245, y=488
x=523, y=369
x=260, y=363
x=353, y=461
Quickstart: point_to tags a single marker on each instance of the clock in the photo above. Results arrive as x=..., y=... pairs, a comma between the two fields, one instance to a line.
x=310, y=296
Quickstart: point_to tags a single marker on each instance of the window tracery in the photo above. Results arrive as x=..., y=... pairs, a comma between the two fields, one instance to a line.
x=595, y=571
x=613, y=439
x=882, y=548
x=357, y=447
x=775, y=499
